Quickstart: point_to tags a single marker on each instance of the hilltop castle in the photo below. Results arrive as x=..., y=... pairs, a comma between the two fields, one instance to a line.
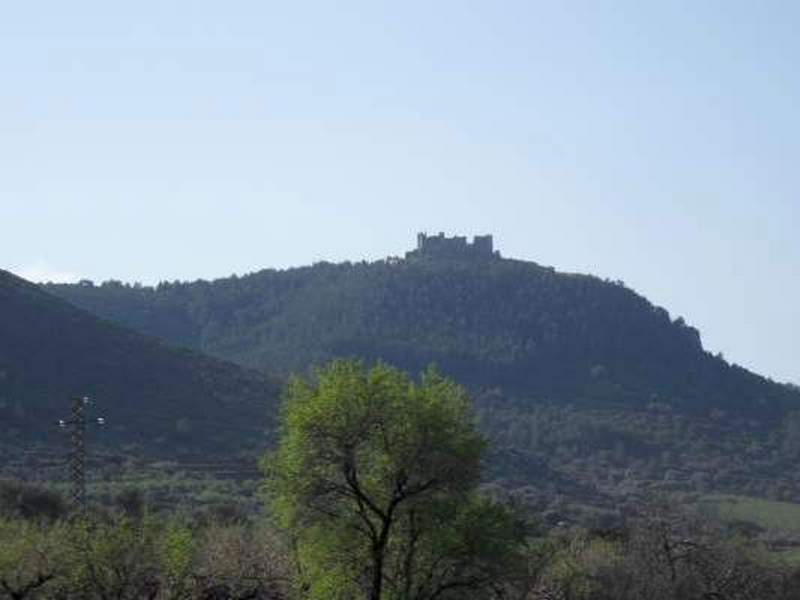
x=439, y=246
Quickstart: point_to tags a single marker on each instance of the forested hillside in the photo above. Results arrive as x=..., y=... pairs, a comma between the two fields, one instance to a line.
x=591, y=396
x=157, y=400
x=489, y=323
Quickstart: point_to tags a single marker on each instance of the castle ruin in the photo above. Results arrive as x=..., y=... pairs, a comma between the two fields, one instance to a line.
x=439, y=246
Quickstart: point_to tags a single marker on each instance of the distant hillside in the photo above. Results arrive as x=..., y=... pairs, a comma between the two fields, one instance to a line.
x=486, y=321
x=593, y=398
x=157, y=400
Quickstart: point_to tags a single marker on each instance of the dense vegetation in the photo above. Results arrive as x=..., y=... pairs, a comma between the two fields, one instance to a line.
x=137, y=557
x=157, y=400
x=594, y=399
x=371, y=496
x=526, y=328
x=597, y=465
x=658, y=555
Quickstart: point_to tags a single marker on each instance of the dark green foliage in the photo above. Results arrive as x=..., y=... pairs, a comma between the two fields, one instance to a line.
x=32, y=502
x=153, y=397
x=615, y=458
x=589, y=393
x=131, y=502
x=532, y=330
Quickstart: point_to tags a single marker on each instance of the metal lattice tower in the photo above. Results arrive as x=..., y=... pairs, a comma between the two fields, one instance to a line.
x=77, y=458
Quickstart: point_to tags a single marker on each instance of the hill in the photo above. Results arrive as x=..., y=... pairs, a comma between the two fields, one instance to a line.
x=594, y=398
x=157, y=400
x=488, y=323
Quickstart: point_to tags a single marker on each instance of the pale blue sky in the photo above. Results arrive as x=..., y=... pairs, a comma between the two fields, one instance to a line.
x=653, y=142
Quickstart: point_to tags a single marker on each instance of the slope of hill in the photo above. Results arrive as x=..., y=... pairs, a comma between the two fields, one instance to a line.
x=157, y=399
x=590, y=394
x=487, y=323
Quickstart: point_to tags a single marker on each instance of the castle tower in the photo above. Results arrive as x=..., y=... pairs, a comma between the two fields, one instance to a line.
x=483, y=245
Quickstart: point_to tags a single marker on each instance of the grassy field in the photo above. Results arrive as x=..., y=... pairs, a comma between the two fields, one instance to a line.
x=767, y=514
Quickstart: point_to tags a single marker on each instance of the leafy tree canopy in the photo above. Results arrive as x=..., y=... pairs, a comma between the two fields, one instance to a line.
x=375, y=478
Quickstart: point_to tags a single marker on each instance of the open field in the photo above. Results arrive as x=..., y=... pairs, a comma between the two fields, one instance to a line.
x=767, y=514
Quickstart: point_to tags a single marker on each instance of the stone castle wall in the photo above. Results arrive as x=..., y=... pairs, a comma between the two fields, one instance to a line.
x=439, y=246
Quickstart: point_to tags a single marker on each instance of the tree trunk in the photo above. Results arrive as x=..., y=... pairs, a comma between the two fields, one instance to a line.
x=376, y=588
x=379, y=554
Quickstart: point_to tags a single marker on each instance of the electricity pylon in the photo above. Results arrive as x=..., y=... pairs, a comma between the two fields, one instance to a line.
x=77, y=460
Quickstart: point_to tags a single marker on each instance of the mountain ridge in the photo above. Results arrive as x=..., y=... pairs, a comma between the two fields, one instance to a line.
x=593, y=398
x=488, y=322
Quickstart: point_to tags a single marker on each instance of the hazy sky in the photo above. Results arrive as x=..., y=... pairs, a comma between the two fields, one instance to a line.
x=653, y=142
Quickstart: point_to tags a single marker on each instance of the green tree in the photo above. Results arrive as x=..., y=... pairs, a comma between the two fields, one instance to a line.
x=115, y=560
x=32, y=557
x=375, y=479
x=20, y=499
x=178, y=549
